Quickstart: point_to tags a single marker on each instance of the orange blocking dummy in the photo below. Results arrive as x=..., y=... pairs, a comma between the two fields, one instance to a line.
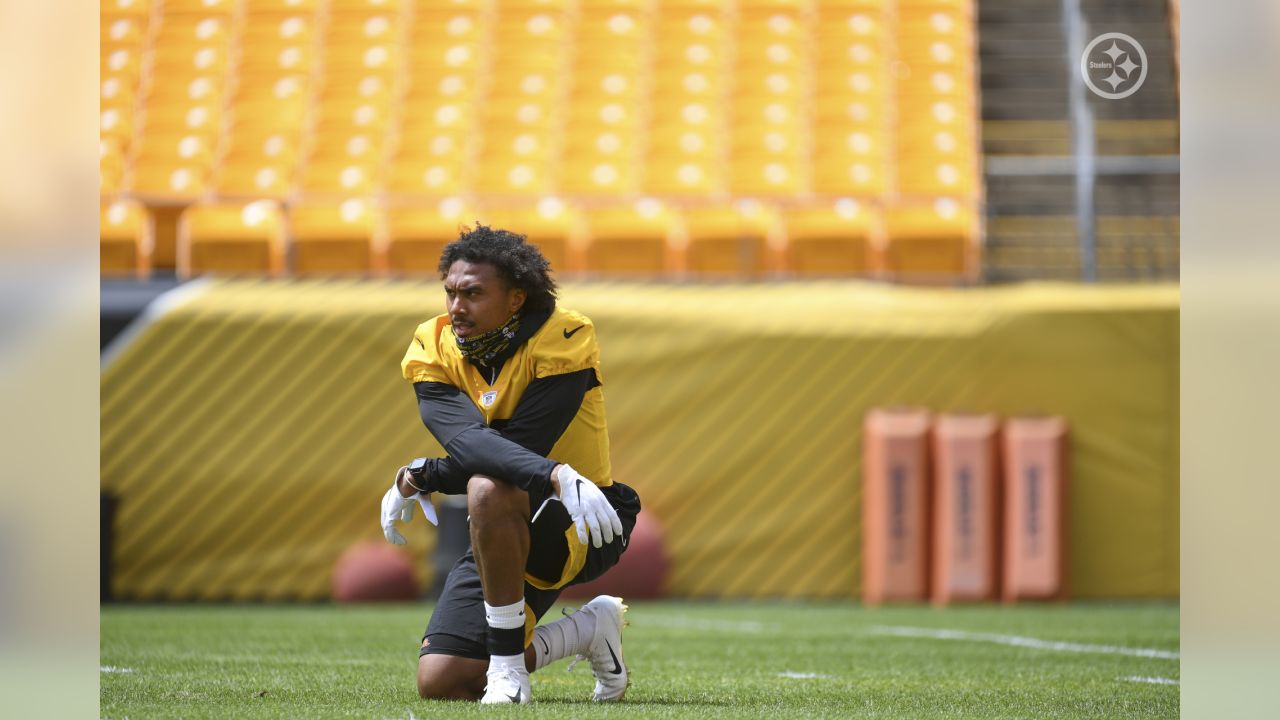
x=895, y=498
x=966, y=517
x=1035, y=509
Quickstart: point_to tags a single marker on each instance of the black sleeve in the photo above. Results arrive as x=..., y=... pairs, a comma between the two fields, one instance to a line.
x=517, y=450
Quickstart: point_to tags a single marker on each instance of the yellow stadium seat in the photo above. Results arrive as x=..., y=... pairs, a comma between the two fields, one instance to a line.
x=602, y=83
x=844, y=112
x=343, y=117
x=357, y=6
x=121, y=60
x=867, y=21
x=272, y=31
x=334, y=239
x=766, y=175
x=260, y=178
x=117, y=92
x=830, y=239
x=629, y=239
x=432, y=119
x=196, y=117
x=728, y=240
x=111, y=166
x=936, y=237
x=281, y=6
x=431, y=144
x=194, y=89
x=192, y=31
x=124, y=31
x=427, y=175
x=699, y=21
x=125, y=239
x=436, y=25
x=339, y=177
x=602, y=6
x=364, y=148
x=595, y=175
x=851, y=82
x=116, y=123
x=459, y=55
x=551, y=225
x=253, y=144
x=690, y=176
x=199, y=7
x=274, y=60
x=125, y=8
x=427, y=88
x=171, y=181
x=177, y=62
x=417, y=235
x=231, y=239
x=850, y=176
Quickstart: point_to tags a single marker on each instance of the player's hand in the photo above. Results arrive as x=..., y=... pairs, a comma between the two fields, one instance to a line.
x=588, y=507
x=396, y=507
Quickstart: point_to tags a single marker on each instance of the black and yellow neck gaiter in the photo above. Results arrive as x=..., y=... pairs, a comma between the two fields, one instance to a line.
x=484, y=348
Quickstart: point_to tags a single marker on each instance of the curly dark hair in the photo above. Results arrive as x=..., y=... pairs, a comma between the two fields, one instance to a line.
x=518, y=262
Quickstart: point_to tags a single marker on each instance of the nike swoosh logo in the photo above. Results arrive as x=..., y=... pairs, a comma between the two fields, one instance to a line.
x=419, y=341
x=577, y=490
x=617, y=667
x=546, y=649
x=569, y=333
x=515, y=699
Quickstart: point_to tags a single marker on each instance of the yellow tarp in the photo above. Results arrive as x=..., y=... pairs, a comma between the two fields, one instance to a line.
x=251, y=431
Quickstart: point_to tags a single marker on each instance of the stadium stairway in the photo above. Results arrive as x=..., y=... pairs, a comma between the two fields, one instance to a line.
x=1027, y=144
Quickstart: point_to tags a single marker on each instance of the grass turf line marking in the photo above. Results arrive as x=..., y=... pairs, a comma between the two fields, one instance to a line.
x=1152, y=680
x=1019, y=641
x=803, y=676
x=114, y=669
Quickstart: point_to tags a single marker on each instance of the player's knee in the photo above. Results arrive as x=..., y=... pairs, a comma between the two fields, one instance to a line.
x=440, y=679
x=434, y=687
x=486, y=496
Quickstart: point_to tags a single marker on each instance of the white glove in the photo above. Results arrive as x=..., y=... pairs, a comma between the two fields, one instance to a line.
x=588, y=507
x=398, y=507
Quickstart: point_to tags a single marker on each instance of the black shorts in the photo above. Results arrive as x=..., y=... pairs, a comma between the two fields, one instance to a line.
x=556, y=560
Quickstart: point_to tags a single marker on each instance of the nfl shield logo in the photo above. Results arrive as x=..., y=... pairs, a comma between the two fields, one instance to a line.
x=488, y=398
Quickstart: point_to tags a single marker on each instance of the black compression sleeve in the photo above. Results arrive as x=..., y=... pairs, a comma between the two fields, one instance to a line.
x=544, y=412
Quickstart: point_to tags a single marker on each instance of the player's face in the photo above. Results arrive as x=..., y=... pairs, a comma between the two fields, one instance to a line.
x=477, y=299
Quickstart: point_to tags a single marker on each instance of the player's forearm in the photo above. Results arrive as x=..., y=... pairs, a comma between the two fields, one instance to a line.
x=482, y=451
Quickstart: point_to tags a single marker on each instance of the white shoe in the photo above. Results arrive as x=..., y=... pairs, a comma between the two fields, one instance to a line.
x=507, y=686
x=605, y=650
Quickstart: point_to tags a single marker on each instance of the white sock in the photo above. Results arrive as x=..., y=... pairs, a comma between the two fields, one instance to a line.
x=507, y=662
x=567, y=636
x=505, y=617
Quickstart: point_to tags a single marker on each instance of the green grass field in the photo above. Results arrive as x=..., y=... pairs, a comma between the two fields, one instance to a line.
x=688, y=660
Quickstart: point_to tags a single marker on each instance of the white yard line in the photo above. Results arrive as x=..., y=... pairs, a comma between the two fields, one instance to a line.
x=114, y=669
x=803, y=676
x=1151, y=680
x=1019, y=641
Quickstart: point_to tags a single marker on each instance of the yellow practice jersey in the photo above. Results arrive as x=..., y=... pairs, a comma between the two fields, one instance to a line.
x=565, y=343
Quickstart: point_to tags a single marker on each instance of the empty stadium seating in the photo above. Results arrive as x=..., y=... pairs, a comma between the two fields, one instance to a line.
x=713, y=137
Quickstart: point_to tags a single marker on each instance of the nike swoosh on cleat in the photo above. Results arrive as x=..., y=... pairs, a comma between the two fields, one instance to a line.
x=515, y=698
x=617, y=667
x=569, y=333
